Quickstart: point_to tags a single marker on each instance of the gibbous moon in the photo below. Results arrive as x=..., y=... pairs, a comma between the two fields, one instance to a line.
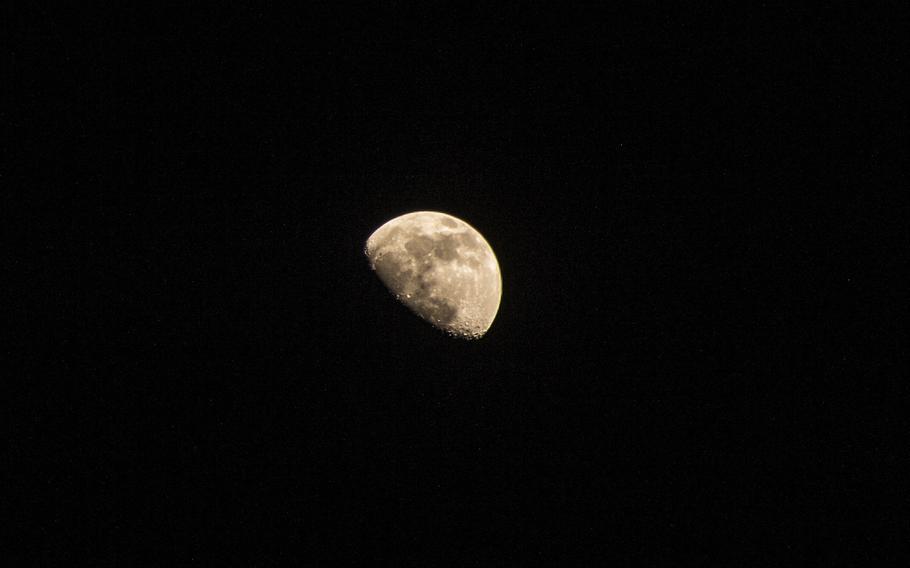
x=441, y=268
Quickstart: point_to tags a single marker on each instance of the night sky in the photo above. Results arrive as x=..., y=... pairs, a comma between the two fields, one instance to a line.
x=691, y=213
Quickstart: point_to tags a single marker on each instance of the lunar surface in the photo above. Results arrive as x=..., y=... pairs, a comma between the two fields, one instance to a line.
x=441, y=268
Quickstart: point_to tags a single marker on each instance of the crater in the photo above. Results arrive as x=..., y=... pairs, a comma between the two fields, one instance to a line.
x=438, y=311
x=392, y=235
x=394, y=273
x=472, y=261
x=387, y=264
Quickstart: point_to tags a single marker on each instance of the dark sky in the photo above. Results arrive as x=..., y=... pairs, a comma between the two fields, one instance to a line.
x=690, y=211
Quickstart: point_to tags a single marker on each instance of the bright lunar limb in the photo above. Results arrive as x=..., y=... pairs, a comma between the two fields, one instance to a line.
x=441, y=268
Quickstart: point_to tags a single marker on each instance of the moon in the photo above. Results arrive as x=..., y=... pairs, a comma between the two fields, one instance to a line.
x=441, y=268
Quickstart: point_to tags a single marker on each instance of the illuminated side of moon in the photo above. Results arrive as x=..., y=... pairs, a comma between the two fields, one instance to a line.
x=441, y=268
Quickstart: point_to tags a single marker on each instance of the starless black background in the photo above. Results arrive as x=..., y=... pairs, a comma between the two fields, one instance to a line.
x=690, y=211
